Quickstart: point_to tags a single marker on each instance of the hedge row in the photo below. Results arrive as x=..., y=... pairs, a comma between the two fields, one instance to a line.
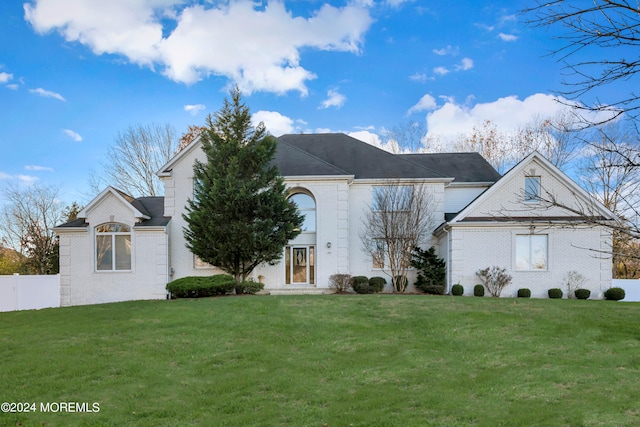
x=208, y=286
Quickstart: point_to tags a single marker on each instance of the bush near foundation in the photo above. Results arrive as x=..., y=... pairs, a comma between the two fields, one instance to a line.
x=360, y=284
x=249, y=287
x=478, y=291
x=457, y=290
x=524, y=293
x=555, y=293
x=582, y=293
x=614, y=294
x=377, y=284
x=201, y=286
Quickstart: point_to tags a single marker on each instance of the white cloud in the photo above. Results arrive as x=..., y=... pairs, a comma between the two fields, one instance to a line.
x=276, y=123
x=419, y=77
x=441, y=71
x=5, y=77
x=212, y=40
x=426, y=103
x=335, y=99
x=194, y=109
x=449, y=50
x=465, y=64
x=38, y=168
x=25, y=179
x=73, y=135
x=508, y=114
x=47, y=93
x=507, y=37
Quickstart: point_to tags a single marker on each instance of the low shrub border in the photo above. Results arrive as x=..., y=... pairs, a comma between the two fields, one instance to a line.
x=377, y=284
x=524, y=293
x=582, y=293
x=614, y=294
x=360, y=284
x=249, y=287
x=555, y=293
x=478, y=291
x=457, y=290
x=201, y=286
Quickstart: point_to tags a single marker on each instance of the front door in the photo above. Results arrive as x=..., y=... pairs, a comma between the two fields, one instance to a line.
x=300, y=265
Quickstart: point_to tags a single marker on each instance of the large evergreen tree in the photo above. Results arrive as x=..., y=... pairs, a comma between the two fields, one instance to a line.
x=239, y=216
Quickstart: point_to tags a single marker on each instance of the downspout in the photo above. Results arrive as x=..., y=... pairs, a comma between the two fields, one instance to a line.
x=448, y=262
x=169, y=271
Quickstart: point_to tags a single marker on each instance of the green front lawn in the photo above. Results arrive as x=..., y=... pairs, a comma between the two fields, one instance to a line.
x=375, y=360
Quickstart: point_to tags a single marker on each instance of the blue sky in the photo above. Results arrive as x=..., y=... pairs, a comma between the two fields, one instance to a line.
x=74, y=73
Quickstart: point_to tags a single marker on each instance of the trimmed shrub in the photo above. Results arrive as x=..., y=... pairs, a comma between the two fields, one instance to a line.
x=555, y=293
x=457, y=289
x=431, y=271
x=524, y=293
x=582, y=293
x=249, y=287
x=360, y=284
x=377, y=284
x=340, y=283
x=478, y=291
x=614, y=294
x=201, y=286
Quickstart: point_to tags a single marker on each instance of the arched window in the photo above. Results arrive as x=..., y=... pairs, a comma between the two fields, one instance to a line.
x=307, y=207
x=113, y=247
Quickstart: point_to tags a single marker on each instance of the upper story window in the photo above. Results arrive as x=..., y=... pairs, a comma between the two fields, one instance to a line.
x=392, y=198
x=113, y=247
x=531, y=189
x=307, y=207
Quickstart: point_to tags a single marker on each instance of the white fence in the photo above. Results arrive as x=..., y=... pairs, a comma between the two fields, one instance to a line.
x=631, y=288
x=29, y=292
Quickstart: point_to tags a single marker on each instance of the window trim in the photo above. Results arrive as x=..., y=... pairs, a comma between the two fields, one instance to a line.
x=113, y=235
x=530, y=256
x=304, y=211
x=535, y=196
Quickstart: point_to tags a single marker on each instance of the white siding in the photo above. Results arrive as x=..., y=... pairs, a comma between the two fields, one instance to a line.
x=80, y=283
x=457, y=198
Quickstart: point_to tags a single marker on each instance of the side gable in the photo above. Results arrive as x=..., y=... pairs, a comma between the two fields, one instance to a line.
x=113, y=205
x=504, y=201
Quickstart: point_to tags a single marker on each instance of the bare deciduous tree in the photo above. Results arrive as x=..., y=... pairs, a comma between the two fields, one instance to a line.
x=137, y=154
x=400, y=218
x=27, y=222
x=405, y=137
x=599, y=30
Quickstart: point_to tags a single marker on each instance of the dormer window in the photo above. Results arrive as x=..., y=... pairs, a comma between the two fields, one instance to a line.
x=531, y=189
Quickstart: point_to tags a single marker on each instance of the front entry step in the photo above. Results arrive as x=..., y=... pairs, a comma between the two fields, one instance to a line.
x=295, y=291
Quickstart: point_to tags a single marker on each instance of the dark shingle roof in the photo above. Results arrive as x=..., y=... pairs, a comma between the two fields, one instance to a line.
x=340, y=154
x=464, y=167
x=152, y=207
x=352, y=157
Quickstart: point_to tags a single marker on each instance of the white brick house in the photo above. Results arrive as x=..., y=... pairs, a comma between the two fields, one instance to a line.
x=122, y=248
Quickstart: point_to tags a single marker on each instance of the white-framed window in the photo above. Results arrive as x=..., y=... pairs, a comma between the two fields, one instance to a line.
x=531, y=189
x=113, y=247
x=379, y=254
x=307, y=207
x=532, y=252
x=391, y=198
